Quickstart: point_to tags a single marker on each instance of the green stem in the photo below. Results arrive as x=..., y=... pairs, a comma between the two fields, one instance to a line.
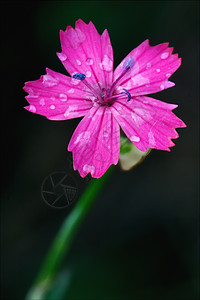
x=61, y=244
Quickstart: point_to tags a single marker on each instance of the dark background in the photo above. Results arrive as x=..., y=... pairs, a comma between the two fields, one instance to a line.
x=140, y=240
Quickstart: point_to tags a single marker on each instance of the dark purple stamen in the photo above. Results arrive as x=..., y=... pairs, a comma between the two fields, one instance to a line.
x=127, y=93
x=128, y=64
x=79, y=76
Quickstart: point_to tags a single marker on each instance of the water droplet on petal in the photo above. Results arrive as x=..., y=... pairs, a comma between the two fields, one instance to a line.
x=71, y=91
x=52, y=106
x=83, y=137
x=49, y=81
x=107, y=63
x=62, y=56
x=78, y=62
x=105, y=133
x=32, y=108
x=88, y=74
x=148, y=66
x=168, y=75
x=89, y=61
x=53, y=98
x=42, y=101
x=158, y=70
x=164, y=55
x=63, y=97
x=89, y=169
x=93, y=99
x=67, y=112
x=119, y=88
x=162, y=86
x=75, y=81
x=134, y=138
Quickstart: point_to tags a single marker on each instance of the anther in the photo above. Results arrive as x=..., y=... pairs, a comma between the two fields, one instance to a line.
x=79, y=76
x=129, y=62
x=127, y=93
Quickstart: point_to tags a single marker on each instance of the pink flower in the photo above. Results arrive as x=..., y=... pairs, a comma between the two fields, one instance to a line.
x=107, y=100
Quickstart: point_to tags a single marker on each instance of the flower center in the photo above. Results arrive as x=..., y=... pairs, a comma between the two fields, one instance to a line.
x=107, y=97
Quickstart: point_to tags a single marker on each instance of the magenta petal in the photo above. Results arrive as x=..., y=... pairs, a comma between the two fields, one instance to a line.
x=151, y=70
x=147, y=122
x=95, y=142
x=85, y=51
x=55, y=97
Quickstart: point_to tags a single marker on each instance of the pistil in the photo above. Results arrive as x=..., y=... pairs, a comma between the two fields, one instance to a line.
x=107, y=97
x=80, y=76
x=128, y=64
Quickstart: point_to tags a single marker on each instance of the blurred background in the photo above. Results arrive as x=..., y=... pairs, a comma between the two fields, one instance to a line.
x=140, y=239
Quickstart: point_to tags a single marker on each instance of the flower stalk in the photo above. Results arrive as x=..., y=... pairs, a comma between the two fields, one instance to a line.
x=64, y=238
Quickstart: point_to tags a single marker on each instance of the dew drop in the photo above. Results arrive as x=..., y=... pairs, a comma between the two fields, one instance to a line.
x=168, y=75
x=107, y=63
x=53, y=98
x=136, y=118
x=158, y=70
x=75, y=81
x=71, y=91
x=88, y=74
x=63, y=97
x=134, y=138
x=67, y=112
x=89, y=169
x=162, y=86
x=42, y=101
x=83, y=137
x=164, y=55
x=62, y=56
x=89, y=61
x=32, y=108
x=78, y=62
x=148, y=66
x=49, y=81
x=52, y=106
x=93, y=98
